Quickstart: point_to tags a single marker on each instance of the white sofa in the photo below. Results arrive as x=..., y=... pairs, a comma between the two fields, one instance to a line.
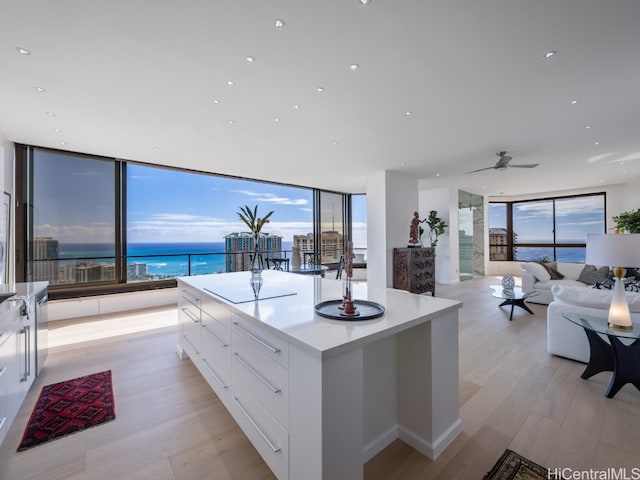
x=536, y=278
x=567, y=339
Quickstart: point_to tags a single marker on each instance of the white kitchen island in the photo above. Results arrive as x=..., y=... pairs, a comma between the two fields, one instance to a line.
x=319, y=397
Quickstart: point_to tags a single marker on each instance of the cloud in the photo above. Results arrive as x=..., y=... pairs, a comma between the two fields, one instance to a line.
x=272, y=198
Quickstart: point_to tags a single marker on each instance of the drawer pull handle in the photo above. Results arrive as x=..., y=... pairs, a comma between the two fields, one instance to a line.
x=192, y=345
x=220, y=341
x=4, y=369
x=215, y=375
x=266, y=439
x=258, y=376
x=186, y=311
x=252, y=336
x=186, y=295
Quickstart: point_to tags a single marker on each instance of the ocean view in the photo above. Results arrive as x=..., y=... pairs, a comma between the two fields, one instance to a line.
x=206, y=257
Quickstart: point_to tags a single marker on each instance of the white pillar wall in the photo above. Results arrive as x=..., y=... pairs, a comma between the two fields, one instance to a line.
x=6, y=185
x=445, y=202
x=391, y=200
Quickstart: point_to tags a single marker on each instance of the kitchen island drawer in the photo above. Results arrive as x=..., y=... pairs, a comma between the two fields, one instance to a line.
x=266, y=342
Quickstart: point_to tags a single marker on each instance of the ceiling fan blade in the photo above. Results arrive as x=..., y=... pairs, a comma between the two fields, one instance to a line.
x=482, y=169
x=526, y=165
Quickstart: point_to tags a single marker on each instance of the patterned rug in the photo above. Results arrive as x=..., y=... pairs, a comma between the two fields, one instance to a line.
x=68, y=407
x=512, y=466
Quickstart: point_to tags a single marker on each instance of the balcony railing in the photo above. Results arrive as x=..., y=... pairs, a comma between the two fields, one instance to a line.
x=145, y=268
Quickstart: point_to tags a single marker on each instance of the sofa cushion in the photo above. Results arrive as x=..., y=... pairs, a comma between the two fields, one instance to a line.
x=537, y=271
x=589, y=297
x=591, y=274
x=571, y=271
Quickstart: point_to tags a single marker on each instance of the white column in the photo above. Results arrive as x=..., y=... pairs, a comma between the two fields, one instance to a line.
x=391, y=200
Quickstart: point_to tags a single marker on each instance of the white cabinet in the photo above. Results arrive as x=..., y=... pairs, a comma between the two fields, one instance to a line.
x=245, y=365
x=189, y=320
x=205, y=337
x=310, y=393
x=17, y=361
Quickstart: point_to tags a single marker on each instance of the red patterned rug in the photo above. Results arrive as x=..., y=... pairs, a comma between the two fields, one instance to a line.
x=68, y=407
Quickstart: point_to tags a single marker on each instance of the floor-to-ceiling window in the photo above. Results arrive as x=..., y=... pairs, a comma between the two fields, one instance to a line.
x=92, y=223
x=72, y=227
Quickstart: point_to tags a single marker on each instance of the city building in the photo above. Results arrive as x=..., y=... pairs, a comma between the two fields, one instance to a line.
x=239, y=247
x=45, y=255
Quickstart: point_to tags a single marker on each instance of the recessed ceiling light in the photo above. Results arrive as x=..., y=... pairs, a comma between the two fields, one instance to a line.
x=335, y=144
x=156, y=147
x=596, y=143
x=276, y=119
x=231, y=83
x=408, y=113
x=297, y=107
x=364, y=2
x=587, y=127
x=550, y=54
x=354, y=66
x=57, y=130
x=63, y=143
x=40, y=89
x=437, y=174
x=573, y=102
x=231, y=122
x=51, y=114
x=279, y=23
x=23, y=51
x=320, y=89
x=250, y=59
x=216, y=101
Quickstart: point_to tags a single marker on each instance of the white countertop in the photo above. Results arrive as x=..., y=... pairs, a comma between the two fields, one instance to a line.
x=293, y=317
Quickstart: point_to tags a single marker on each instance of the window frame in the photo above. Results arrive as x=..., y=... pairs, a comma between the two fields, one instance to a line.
x=511, y=245
x=24, y=230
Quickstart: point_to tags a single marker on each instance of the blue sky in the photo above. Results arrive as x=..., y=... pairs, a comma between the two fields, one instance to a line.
x=164, y=205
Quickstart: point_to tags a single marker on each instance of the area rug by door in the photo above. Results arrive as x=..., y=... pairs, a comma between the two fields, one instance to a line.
x=68, y=407
x=512, y=466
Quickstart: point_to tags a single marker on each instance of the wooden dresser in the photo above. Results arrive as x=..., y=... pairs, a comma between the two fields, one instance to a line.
x=414, y=269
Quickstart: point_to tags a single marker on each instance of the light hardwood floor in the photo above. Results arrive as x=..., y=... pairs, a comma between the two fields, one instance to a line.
x=170, y=425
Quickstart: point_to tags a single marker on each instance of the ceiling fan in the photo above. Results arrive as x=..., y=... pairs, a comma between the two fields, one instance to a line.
x=503, y=163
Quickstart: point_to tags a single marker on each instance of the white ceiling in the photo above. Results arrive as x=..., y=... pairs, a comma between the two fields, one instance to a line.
x=138, y=79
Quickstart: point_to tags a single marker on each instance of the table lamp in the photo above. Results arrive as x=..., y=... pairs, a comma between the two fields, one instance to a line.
x=618, y=251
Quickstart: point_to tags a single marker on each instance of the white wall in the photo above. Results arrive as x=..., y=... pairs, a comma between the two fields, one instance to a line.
x=102, y=304
x=391, y=200
x=6, y=185
x=445, y=202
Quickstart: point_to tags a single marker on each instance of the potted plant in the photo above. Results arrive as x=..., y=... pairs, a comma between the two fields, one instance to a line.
x=255, y=224
x=436, y=227
x=628, y=221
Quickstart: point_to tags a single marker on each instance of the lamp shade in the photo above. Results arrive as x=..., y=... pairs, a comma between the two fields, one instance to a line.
x=613, y=250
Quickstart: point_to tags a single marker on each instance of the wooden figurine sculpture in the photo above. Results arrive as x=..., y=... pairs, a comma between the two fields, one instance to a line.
x=414, y=230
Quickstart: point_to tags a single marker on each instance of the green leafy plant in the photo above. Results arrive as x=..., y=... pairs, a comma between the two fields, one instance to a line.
x=436, y=227
x=255, y=224
x=628, y=221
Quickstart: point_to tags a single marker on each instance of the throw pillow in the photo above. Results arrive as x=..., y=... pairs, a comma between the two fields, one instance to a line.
x=551, y=270
x=537, y=271
x=591, y=275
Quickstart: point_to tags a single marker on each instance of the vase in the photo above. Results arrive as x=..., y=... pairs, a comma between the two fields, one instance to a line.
x=256, y=281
